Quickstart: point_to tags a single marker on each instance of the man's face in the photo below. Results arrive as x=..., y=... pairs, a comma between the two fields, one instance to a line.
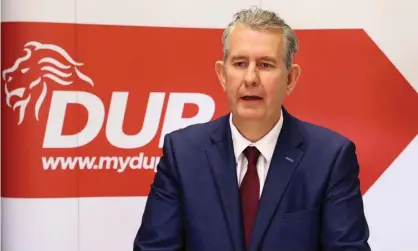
x=254, y=76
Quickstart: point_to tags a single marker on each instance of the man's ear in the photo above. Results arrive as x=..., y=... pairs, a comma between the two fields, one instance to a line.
x=220, y=71
x=293, y=75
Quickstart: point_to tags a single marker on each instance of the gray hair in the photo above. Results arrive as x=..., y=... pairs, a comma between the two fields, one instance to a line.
x=257, y=18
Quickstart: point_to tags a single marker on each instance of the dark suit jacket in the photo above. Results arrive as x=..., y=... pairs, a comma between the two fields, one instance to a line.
x=311, y=199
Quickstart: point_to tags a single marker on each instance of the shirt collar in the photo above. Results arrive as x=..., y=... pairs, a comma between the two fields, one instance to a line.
x=265, y=145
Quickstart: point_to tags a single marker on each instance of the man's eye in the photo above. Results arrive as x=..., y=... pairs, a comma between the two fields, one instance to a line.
x=266, y=65
x=239, y=64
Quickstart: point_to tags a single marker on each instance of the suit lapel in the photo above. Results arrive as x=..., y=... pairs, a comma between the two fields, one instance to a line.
x=221, y=158
x=283, y=164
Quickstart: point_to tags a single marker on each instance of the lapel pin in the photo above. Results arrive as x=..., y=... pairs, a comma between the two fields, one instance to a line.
x=289, y=159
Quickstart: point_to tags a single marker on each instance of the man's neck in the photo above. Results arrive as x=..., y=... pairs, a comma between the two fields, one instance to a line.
x=254, y=130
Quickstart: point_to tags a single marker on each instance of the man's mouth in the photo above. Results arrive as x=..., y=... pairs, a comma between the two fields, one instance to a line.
x=251, y=98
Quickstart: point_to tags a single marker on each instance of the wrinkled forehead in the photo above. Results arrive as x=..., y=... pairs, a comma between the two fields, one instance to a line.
x=256, y=43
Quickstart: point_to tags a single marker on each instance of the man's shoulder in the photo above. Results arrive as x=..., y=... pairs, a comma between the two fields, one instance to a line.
x=197, y=134
x=321, y=135
x=325, y=145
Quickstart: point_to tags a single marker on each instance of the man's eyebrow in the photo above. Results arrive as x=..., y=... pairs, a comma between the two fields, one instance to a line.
x=269, y=59
x=265, y=58
x=233, y=58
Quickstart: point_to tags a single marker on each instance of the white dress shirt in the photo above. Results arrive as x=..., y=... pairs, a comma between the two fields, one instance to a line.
x=265, y=145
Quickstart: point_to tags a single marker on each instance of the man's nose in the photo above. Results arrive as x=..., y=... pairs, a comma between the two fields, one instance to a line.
x=251, y=75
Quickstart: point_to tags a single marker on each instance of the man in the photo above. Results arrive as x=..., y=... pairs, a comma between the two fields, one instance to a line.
x=257, y=178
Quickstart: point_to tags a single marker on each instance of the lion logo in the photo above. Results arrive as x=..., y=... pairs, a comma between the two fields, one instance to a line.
x=41, y=66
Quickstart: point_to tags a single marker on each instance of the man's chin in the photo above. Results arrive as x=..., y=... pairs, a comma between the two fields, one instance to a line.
x=250, y=115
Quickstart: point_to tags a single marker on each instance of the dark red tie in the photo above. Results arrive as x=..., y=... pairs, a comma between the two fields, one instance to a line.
x=250, y=192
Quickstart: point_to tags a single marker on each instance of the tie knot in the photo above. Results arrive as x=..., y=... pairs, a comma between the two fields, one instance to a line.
x=252, y=154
